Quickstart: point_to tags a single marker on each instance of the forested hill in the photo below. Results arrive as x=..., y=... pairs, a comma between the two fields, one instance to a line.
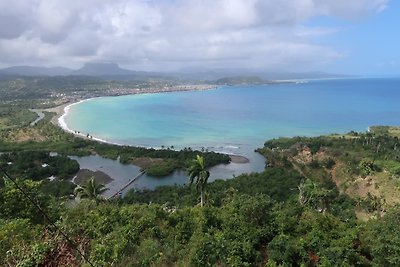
x=324, y=201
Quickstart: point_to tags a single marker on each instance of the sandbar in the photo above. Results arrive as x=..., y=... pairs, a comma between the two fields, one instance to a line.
x=239, y=159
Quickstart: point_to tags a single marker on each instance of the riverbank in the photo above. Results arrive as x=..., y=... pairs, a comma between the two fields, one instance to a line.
x=39, y=118
x=59, y=110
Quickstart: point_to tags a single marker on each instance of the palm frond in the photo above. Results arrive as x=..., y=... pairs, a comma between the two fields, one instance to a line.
x=90, y=189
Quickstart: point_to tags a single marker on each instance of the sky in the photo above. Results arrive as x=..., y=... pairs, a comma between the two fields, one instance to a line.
x=338, y=36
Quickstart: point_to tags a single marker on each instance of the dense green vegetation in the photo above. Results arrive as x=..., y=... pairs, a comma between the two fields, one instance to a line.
x=90, y=190
x=278, y=183
x=38, y=165
x=363, y=153
x=365, y=166
x=240, y=227
x=15, y=116
x=161, y=169
x=323, y=201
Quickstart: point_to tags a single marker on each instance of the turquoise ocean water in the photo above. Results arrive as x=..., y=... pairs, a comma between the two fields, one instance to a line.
x=239, y=119
x=240, y=116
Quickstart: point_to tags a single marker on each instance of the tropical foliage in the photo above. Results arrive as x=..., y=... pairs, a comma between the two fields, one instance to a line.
x=199, y=175
x=298, y=212
x=90, y=189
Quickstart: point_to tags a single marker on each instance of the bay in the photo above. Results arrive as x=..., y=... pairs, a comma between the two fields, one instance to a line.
x=239, y=119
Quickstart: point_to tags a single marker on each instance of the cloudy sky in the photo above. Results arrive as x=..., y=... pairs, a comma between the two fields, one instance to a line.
x=340, y=36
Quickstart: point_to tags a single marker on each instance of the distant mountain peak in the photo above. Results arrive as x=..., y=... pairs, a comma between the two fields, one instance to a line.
x=101, y=65
x=98, y=69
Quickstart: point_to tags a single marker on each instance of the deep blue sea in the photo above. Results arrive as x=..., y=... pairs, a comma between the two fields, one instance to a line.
x=240, y=119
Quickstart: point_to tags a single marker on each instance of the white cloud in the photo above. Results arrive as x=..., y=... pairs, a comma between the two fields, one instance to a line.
x=173, y=33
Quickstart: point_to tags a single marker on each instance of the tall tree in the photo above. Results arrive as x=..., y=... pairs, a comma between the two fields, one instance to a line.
x=314, y=195
x=90, y=189
x=198, y=174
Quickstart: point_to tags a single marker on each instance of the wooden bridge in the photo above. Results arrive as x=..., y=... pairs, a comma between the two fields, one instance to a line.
x=128, y=184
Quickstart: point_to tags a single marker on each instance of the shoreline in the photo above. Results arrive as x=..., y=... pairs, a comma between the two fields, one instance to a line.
x=238, y=159
x=62, y=111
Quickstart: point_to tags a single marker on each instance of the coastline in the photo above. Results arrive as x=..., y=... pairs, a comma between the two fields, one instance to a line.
x=59, y=110
x=62, y=111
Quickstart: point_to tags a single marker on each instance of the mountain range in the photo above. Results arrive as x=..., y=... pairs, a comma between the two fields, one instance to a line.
x=114, y=71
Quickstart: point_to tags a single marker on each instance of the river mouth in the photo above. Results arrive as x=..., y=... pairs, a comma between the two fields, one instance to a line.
x=122, y=174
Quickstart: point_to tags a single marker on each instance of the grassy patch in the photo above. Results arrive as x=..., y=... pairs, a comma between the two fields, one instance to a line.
x=162, y=168
x=386, y=130
x=15, y=118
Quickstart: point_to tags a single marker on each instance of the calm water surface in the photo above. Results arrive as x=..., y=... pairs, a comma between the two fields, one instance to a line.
x=238, y=119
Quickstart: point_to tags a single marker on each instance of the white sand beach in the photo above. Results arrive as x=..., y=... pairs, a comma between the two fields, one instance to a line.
x=62, y=111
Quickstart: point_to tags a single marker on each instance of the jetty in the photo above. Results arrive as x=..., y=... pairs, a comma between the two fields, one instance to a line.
x=140, y=174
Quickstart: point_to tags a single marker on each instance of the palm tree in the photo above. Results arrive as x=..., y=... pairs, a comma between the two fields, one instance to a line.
x=197, y=173
x=90, y=190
